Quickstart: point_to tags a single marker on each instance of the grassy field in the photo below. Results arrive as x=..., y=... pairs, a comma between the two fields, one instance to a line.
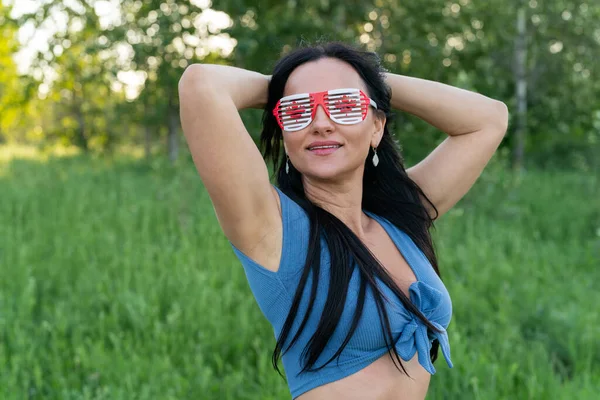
x=117, y=283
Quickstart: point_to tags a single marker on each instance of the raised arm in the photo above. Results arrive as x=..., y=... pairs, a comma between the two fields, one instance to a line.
x=475, y=124
x=229, y=163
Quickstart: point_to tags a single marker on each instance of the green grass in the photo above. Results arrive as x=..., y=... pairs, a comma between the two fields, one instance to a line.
x=116, y=282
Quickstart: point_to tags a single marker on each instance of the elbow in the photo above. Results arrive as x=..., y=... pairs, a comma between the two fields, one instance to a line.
x=193, y=82
x=501, y=116
x=193, y=72
x=495, y=118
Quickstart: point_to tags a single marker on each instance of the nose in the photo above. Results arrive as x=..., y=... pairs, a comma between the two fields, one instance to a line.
x=321, y=120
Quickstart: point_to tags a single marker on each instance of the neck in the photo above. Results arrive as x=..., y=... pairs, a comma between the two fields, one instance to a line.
x=342, y=199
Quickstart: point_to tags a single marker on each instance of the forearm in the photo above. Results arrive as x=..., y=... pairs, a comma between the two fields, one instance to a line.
x=452, y=110
x=247, y=89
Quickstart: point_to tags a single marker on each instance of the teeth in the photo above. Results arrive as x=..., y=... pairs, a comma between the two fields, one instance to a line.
x=324, y=147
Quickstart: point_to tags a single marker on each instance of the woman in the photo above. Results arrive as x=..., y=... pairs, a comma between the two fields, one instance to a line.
x=346, y=215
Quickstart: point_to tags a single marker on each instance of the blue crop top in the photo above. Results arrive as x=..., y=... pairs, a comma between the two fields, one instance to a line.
x=274, y=292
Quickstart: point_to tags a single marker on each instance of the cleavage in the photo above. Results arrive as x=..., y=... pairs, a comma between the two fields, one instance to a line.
x=389, y=256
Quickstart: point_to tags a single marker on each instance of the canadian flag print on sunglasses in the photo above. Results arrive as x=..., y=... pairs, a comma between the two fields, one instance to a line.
x=344, y=106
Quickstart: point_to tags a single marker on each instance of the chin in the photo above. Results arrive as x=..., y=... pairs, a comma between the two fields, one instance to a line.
x=324, y=172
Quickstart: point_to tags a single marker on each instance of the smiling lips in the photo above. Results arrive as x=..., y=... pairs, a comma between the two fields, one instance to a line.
x=324, y=150
x=323, y=143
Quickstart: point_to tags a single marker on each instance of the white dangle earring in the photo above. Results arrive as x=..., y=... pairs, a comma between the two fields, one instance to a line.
x=287, y=164
x=375, y=157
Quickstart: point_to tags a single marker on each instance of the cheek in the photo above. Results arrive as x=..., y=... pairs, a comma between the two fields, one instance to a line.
x=293, y=141
x=359, y=137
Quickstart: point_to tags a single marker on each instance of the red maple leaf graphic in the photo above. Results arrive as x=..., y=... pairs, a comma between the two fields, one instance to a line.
x=294, y=111
x=346, y=104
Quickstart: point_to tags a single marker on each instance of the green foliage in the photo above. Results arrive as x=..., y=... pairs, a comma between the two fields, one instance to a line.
x=10, y=94
x=464, y=43
x=117, y=283
x=468, y=44
x=74, y=76
x=158, y=34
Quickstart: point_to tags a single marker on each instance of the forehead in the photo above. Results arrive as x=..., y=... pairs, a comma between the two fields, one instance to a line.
x=323, y=74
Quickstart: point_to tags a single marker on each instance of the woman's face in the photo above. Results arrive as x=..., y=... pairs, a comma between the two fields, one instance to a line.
x=316, y=76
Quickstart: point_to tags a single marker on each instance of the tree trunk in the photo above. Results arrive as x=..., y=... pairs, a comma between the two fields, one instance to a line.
x=147, y=141
x=521, y=87
x=173, y=128
x=82, y=140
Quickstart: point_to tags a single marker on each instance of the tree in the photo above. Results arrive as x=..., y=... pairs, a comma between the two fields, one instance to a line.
x=75, y=75
x=165, y=37
x=10, y=94
x=463, y=43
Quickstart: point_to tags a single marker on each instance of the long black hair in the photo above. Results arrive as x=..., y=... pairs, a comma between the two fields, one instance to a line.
x=387, y=192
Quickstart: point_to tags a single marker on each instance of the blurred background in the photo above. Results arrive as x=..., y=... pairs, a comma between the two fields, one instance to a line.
x=116, y=281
